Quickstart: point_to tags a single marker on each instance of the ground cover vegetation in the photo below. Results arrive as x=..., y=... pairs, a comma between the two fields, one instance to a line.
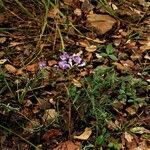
x=74, y=74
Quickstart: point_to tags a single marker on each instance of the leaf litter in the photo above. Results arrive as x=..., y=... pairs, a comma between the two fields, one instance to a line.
x=82, y=79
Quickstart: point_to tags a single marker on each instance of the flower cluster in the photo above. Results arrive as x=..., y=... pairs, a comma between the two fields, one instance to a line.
x=68, y=61
x=42, y=64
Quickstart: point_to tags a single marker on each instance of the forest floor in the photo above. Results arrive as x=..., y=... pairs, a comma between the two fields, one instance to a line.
x=74, y=75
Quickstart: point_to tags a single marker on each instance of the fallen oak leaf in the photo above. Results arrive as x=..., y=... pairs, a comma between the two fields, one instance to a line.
x=13, y=44
x=2, y=39
x=126, y=65
x=52, y=133
x=101, y=23
x=10, y=68
x=145, y=45
x=119, y=66
x=131, y=111
x=77, y=12
x=19, y=72
x=50, y=115
x=32, y=68
x=52, y=63
x=91, y=48
x=83, y=43
x=77, y=83
x=128, y=137
x=2, y=53
x=145, y=48
x=68, y=145
x=85, y=135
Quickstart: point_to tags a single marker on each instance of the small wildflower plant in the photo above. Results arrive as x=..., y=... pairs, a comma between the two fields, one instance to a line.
x=42, y=64
x=68, y=61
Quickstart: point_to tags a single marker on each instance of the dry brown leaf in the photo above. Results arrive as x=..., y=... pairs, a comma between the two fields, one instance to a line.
x=144, y=3
x=145, y=48
x=117, y=42
x=112, y=126
x=89, y=57
x=127, y=64
x=10, y=68
x=145, y=45
x=2, y=40
x=86, y=6
x=128, y=137
x=52, y=133
x=52, y=62
x=124, y=65
x=87, y=46
x=32, y=68
x=96, y=40
x=2, y=53
x=77, y=12
x=72, y=3
x=2, y=18
x=101, y=23
x=27, y=103
x=84, y=43
x=143, y=145
x=136, y=56
x=131, y=110
x=68, y=2
x=83, y=73
x=91, y=48
x=13, y=44
x=147, y=57
x=114, y=7
x=68, y=145
x=76, y=82
x=50, y=115
x=53, y=13
x=119, y=66
x=36, y=109
x=19, y=72
x=99, y=56
x=31, y=125
x=85, y=135
x=82, y=1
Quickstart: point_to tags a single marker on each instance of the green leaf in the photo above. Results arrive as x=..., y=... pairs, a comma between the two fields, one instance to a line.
x=114, y=146
x=139, y=130
x=109, y=49
x=113, y=57
x=100, y=140
x=103, y=54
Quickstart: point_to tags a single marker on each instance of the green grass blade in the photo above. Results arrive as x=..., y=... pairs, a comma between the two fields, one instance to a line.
x=25, y=10
x=22, y=138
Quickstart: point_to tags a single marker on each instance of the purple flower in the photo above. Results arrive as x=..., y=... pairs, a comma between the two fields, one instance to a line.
x=64, y=56
x=77, y=59
x=42, y=64
x=68, y=61
x=82, y=64
x=63, y=64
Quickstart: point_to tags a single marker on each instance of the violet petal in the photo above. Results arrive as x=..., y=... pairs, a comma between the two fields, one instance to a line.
x=64, y=56
x=77, y=59
x=42, y=64
x=70, y=61
x=63, y=64
x=82, y=64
